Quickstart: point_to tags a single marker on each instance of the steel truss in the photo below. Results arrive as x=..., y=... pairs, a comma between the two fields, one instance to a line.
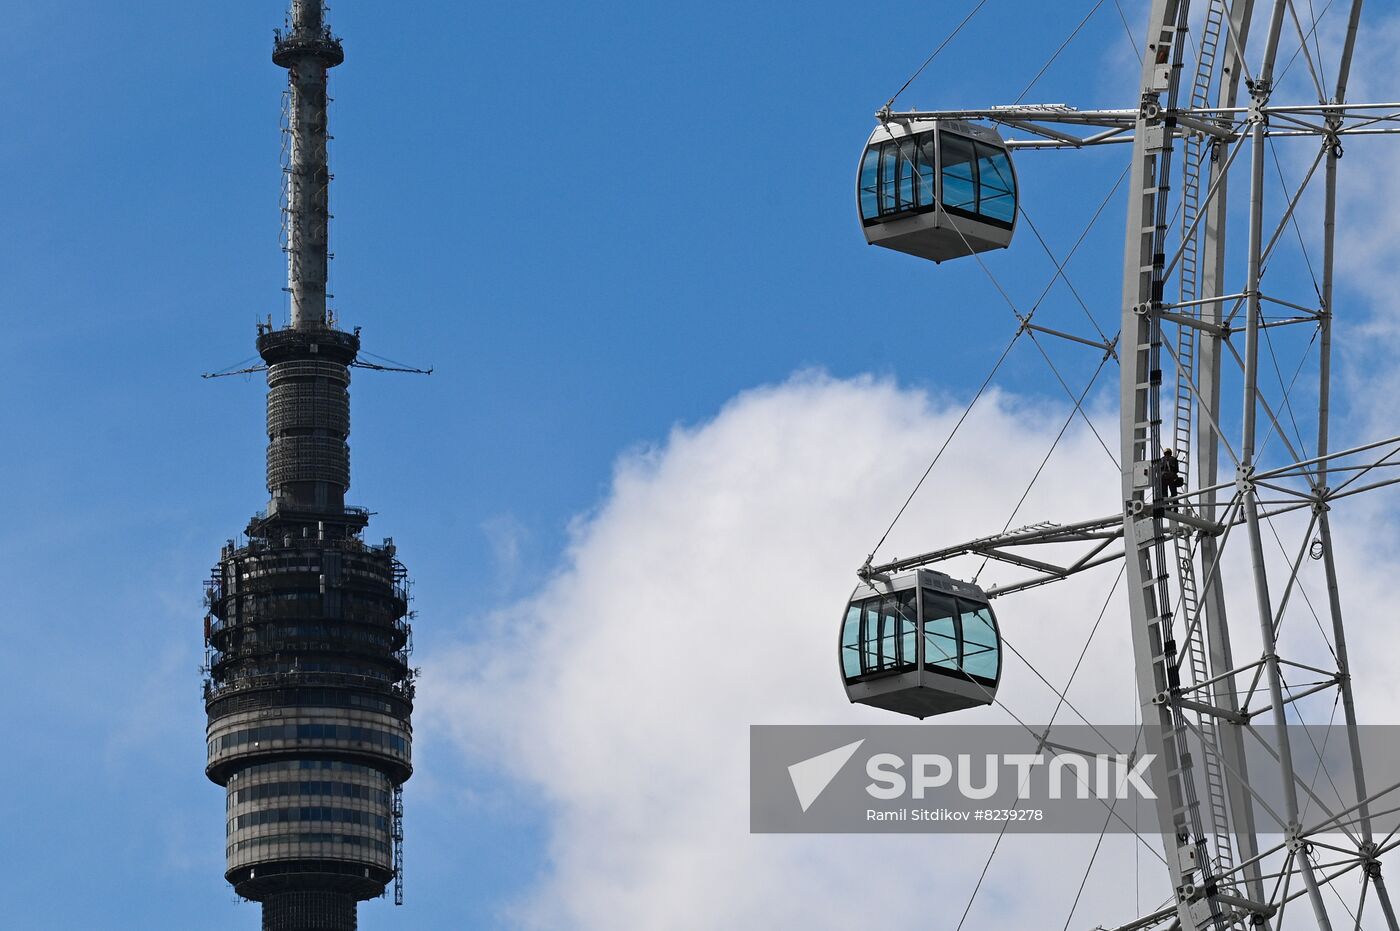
x=1180, y=593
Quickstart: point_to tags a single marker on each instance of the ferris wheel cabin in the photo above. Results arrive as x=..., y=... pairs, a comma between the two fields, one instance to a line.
x=920, y=644
x=937, y=189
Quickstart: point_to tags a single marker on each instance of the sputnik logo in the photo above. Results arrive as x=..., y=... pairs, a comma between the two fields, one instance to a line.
x=811, y=776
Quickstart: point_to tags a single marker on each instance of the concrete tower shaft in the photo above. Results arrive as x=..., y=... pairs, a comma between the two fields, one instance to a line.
x=309, y=695
x=308, y=51
x=308, y=417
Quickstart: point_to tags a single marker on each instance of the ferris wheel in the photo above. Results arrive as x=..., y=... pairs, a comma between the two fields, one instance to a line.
x=1228, y=468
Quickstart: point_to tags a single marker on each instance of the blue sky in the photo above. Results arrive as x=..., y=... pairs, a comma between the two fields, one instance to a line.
x=596, y=221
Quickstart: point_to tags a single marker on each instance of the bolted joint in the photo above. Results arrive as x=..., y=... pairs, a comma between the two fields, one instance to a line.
x=1369, y=859
x=1244, y=479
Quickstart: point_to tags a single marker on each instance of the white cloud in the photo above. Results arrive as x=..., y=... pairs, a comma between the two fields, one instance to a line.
x=703, y=596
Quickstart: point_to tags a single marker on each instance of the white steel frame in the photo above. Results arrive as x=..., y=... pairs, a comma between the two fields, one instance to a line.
x=1188, y=679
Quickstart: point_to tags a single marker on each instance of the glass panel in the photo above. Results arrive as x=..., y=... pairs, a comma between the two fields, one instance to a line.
x=870, y=636
x=870, y=183
x=897, y=176
x=879, y=635
x=907, y=605
x=908, y=152
x=850, y=642
x=887, y=172
x=889, y=632
x=980, y=654
x=959, y=172
x=997, y=186
x=928, y=164
x=940, y=631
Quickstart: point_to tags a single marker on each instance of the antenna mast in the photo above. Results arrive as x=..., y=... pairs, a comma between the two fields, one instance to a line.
x=308, y=51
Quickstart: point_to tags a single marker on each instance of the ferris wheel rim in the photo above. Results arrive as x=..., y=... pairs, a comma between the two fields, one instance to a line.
x=1140, y=421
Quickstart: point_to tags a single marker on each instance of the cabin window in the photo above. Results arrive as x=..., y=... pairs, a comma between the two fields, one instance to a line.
x=870, y=183
x=940, y=631
x=880, y=635
x=898, y=176
x=977, y=180
x=996, y=186
x=850, y=640
x=981, y=657
x=903, y=176
x=959, y=173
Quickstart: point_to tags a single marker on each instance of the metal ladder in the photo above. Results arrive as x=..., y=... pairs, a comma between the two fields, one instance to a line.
x=284, y=202
x=1211, y=31
x=398, y=844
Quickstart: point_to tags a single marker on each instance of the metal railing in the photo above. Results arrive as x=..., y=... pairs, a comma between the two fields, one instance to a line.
x=403, y=688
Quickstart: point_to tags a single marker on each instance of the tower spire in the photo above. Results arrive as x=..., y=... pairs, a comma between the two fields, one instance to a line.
x=308, y=51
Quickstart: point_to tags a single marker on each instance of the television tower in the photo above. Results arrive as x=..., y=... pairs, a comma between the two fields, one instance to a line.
x=309, y=693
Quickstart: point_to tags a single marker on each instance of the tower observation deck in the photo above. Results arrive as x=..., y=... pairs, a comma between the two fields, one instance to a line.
x=309, y=693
